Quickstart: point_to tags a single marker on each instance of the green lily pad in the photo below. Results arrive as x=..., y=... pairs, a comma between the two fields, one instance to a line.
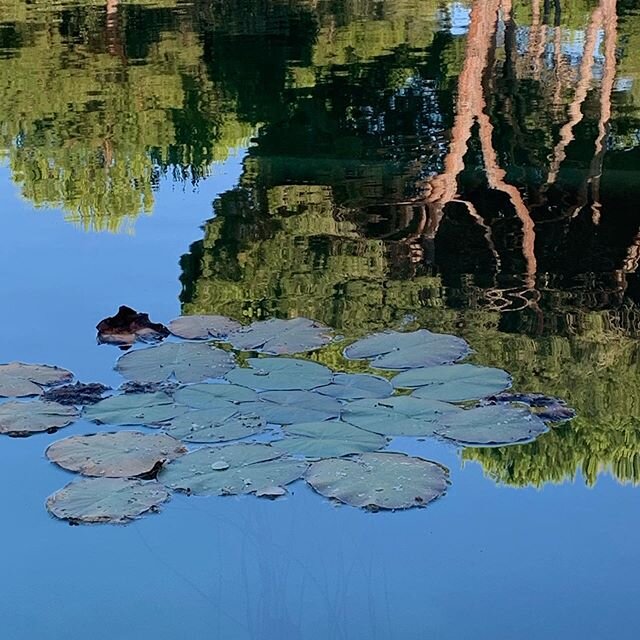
x=19, y=380
x=280, y=337
x=203, y=395
x=453, y=383
x=124, y=454
x=288, y=407
x=215, y=425
x=398, y=415
x=398, y=350
x=135, y=409
x=26, y=418
x=491, y=426
x=184, y=361
x=203, y=327
x=379, y=480
x=280, y=374
x=108, y=500
x=356, y=386
x=251, y=468
x=330, y=439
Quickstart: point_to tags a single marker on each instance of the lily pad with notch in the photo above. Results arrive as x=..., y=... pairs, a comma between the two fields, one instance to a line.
x=216, y=424
x=289, y=407
x=26, y=418
x=19, y=380
x=357, y=386
x=148, y=409
x=280, y=374
x=206, y=394
x=200, y=327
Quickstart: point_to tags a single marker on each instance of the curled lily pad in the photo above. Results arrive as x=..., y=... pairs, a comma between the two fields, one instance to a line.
x=203, y=327
x=398, y=415
x=128, y=326
x=288, y=407
x=356, y=386
x=490, y=426
x=215, y=425
x=379, y=480
x=135, y=409
x=109, y=500
x=124, y=454
x=26, y=418
x=185, y=361
x=76, y=394
x=328, y=439
x=19, y=380
x=280, y=374
x=203, y=395
x=408, y=350
x=250, y=468
x=453, y=383
x=280, y=337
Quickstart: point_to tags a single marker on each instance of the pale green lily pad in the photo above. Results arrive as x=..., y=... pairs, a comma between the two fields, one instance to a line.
x=203, y=395
x=399, y=350
x=492, y=426
x=330, y=439
x=251, y=468
x=215, y=425
x=135, y=409
x=26, y=418
x=281, y=337
x=356, y=386
x=280, y=374
x=106, y=500
x=184, y=361
x=379, y=480
x=398, y=415
x=453, y=383
x=19, y=380
x=123, y=454
x=203, y=327
x=288, y=407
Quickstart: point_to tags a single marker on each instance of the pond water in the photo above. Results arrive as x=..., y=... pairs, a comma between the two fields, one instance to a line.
x=469, y=167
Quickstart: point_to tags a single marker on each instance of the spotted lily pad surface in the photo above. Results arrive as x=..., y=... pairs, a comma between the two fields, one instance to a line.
x=399, y=350
x=215, y=424
x=379, y=480
x=185, y=361
x=124, y=454
x=203, y=395
x=280, y=374
x=287, y=407
x=135, y=409
x=109, y=500
x=398, y=415
x=453, y=383
x=357, y=386
x=26, y=418
x=330, y=439
x=490, y=426
x=19, y=380
x=231, y=470
x=203, y=327
x=281, y=337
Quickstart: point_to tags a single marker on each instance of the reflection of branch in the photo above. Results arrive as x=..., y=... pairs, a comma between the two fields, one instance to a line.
x=537, y=38
x=488, y=236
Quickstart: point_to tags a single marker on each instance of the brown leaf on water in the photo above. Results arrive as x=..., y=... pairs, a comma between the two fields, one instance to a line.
x=129, y=326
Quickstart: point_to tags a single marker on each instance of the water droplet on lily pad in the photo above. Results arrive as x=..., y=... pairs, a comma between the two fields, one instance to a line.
x=222, y=423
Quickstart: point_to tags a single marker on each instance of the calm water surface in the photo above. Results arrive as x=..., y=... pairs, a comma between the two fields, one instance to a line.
x=471, y=167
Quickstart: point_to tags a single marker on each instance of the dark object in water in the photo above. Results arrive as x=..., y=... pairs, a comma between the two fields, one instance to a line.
x=547, y=408
x=128, y=326
x=76, y=394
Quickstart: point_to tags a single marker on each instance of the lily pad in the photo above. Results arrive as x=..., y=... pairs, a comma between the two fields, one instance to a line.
x=490, y=426
x=124, y=454
x=203, y=395
x=330, y=439
x=280, y=337
x=215, y=425
x=135, y=409
x=288, y=407
x=19, y=380
x=203, y=327
x=280, y=374
x=356, y=386
x=408, y=350
x=185, y=361
x=251, y=468
x=109, y=500
x=26, y=418
x=453, y=383
x=379, y=480
x=398, y=415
